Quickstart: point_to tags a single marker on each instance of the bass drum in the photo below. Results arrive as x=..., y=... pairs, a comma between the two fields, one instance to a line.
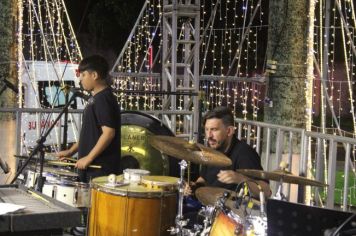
x=136, y=128
x=130, y=209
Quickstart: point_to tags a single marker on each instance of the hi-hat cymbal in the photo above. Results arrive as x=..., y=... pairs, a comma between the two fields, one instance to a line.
x=61, y=172
x=57, y=163
x=209, y=196
x=47, y=158
x=194, y=152
x=280, y=175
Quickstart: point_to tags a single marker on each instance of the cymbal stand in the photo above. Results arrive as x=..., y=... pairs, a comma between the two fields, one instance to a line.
x=180, y=223
x=279, y=193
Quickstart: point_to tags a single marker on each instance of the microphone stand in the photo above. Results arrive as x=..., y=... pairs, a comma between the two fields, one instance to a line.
x=40, y=148
x=65, y=125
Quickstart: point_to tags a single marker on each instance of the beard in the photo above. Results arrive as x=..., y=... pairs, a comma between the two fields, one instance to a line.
x=219, y=145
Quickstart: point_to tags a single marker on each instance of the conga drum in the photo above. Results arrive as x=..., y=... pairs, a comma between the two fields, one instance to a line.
x=131, y=208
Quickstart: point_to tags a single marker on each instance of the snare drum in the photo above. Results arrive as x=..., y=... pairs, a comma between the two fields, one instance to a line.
x=132, y=209
x=227, y=224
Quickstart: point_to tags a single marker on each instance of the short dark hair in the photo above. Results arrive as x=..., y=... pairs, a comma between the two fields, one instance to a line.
x=223, y=113
x=95, y=63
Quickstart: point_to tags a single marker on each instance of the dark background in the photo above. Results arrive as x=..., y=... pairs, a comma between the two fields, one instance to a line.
x=102, y=26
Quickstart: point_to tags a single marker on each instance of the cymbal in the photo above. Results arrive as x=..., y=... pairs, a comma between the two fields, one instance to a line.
x=194, y=152
x=280, y=175
x=47, y=158
x=209, y=196
x=62, y=163
x=57, y=163
x=61, y=172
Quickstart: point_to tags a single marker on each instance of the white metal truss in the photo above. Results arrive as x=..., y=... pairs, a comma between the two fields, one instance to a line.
x=180, y=63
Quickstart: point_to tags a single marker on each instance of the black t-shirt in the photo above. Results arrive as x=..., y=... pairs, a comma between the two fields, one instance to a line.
x=242, y=155
x=102, y=110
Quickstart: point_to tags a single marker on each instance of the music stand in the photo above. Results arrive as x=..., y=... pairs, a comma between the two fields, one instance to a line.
x=293, y=219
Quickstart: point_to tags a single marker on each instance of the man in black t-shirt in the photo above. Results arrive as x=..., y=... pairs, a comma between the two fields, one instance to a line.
x=220, y=135
x=99, y=141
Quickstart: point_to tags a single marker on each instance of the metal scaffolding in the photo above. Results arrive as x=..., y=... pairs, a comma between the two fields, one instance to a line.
x=180, y=62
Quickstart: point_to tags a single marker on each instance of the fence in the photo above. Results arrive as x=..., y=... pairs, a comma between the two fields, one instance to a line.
x=307, y=150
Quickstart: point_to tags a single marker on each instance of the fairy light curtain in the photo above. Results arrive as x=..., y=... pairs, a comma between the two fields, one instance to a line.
x=228, y=49
x=48, y=49
x=334, y=105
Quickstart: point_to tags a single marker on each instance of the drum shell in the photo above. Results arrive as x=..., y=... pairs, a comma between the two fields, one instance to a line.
x=126, y=212
x=226, y=225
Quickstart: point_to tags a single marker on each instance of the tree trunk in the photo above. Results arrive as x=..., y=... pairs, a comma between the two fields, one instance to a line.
x=8, y=71
x=8, y=54
x=287, y=36
x=287, y=51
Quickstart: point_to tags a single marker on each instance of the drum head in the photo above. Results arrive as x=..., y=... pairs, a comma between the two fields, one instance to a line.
x=136, y=127
x=165, y=183
x=130, y=189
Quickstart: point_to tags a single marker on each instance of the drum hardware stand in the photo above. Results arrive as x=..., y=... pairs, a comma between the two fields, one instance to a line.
x=279, y=193
x=180, y=223
x=39, y=148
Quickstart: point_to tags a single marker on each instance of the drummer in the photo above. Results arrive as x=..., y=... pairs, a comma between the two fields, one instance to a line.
x=220, y=135
x=99, y=141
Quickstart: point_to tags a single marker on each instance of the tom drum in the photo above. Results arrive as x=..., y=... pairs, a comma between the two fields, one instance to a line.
x=227, y=224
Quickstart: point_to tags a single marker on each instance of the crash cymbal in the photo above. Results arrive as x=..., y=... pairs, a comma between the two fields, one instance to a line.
x=210, y=195
x=184, y=150
x=280, y=175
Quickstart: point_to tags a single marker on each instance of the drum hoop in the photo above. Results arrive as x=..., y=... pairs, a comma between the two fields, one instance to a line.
x=150, y=183
x=148, y=194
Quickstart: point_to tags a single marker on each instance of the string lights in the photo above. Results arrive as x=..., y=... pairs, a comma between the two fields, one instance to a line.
x=46, y=40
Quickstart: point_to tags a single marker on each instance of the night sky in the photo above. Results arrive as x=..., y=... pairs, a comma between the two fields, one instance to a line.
x=102, y=26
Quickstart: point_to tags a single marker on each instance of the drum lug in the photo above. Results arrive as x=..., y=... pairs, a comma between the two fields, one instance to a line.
x=54, y=192
x=75, y=199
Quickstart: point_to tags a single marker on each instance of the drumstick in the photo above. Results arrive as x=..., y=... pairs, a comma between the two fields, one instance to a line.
x=70, y=164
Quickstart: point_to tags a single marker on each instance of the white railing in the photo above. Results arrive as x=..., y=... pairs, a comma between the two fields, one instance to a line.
x=316, y=154
x=275, y=143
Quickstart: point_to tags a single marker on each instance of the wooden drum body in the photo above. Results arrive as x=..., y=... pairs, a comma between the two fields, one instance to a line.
x=132, y=209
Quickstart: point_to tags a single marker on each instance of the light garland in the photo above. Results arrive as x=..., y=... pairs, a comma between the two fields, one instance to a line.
x=45, y=36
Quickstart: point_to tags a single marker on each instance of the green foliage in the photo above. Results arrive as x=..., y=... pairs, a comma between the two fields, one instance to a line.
x=6, y=37
x=339, y=187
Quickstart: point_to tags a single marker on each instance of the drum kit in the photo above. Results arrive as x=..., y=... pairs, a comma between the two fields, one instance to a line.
x=225, y=212
x=147, y=204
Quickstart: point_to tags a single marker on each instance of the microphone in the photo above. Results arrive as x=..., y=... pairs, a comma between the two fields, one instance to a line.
x=4, y=166
x=78, y=92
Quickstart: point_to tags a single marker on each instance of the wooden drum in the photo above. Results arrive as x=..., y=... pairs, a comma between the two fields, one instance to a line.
x=131, y=208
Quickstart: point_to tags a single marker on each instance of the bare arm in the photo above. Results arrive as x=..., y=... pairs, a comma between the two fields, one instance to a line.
x=188, y=188
x=69, y=152
x=103, y=142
